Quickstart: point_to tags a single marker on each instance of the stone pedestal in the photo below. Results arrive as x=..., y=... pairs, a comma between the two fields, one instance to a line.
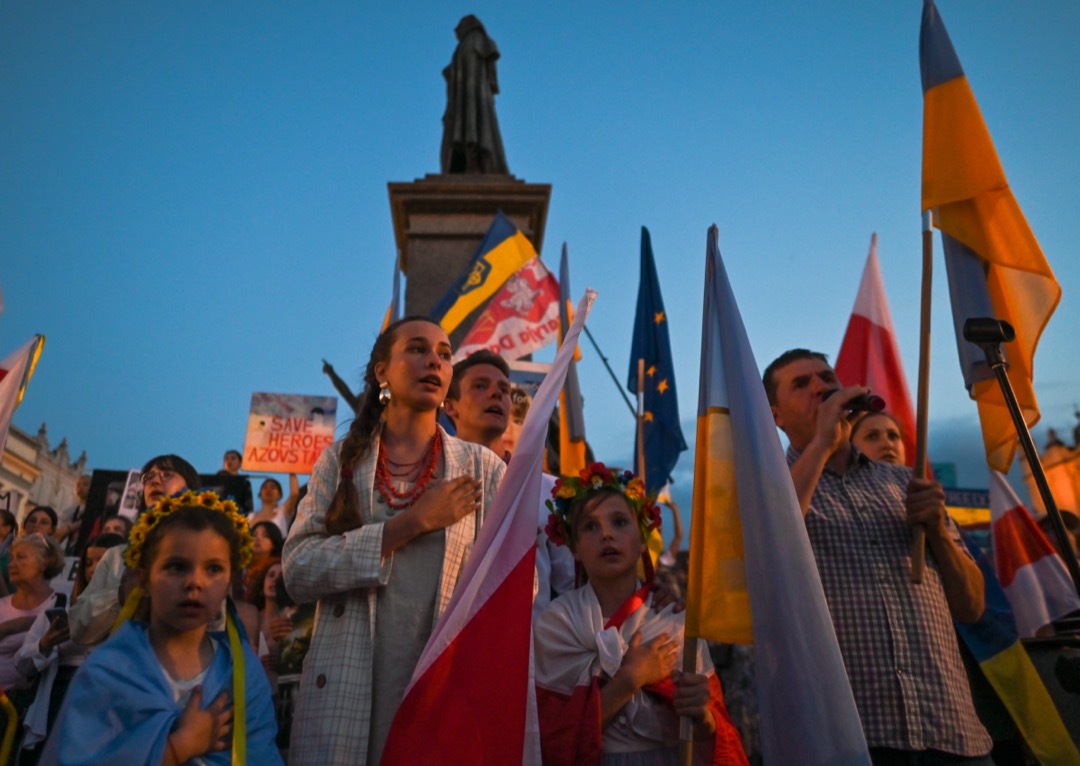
x=440, y=220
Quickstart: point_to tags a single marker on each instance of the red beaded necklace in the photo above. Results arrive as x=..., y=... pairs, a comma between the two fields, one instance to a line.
x=384, y=482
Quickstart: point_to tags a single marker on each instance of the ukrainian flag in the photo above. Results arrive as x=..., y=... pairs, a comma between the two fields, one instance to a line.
x=994, y=263
x=503, y=251
x=995, y=644
x=749, y=552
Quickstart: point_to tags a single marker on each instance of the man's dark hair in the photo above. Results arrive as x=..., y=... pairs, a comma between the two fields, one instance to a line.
x=786, y=358
x=483, y=356
x=233, y=452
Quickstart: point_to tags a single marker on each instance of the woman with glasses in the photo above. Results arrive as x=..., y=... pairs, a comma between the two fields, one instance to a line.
x=92, y=616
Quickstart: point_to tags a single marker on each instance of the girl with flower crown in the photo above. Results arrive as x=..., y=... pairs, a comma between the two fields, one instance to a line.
x=607, y=686
x=380, y=541
x=169, y=691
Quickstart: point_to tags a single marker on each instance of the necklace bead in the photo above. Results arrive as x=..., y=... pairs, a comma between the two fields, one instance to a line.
x=384, y=476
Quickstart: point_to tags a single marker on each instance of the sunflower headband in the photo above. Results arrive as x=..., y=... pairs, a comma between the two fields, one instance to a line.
x=167, y=506
x=597, y=476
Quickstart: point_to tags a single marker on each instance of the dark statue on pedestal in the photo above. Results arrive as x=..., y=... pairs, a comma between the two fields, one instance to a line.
x=471, y=141
x=473, y=183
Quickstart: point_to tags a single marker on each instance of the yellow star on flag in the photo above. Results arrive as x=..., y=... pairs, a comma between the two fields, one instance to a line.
x=648, y=417
x=658, y=317
x=663, y=386
x=651, y=371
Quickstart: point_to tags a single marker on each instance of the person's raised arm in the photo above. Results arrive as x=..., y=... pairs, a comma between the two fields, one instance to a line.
x=831, y=433
x=293, y=499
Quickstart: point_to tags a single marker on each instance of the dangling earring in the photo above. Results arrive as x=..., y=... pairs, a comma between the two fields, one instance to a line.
x=384, y=393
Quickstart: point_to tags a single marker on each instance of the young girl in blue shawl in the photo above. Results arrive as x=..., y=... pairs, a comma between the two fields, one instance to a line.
x=169, y=691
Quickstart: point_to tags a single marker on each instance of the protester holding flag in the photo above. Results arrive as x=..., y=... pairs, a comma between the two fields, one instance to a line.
x=896, y=637
x=380, y=541
x=605, y=661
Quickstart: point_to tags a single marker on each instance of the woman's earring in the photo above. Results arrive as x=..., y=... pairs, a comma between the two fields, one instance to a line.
x=384, y=393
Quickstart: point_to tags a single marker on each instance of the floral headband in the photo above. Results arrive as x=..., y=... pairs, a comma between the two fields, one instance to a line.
x=167, y=506
x=594, y=477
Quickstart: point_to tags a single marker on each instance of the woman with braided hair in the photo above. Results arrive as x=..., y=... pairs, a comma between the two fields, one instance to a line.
x=379, y=541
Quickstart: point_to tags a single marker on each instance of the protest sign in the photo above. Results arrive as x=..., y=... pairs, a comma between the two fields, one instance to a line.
x=287, y=432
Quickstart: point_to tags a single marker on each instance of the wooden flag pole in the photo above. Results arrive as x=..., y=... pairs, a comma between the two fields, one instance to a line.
x=689, y=664
x=686, y=723
x=922, y=406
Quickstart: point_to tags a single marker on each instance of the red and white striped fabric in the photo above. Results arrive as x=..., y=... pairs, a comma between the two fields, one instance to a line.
x=523, y=317
x=869, y=355
x=471, y=699
x=1035, y=579
x=15, y=372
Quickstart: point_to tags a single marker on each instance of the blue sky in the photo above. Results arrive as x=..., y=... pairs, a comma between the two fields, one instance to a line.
x=193, y=198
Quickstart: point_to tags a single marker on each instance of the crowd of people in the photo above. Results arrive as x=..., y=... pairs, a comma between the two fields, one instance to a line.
x=340, y=584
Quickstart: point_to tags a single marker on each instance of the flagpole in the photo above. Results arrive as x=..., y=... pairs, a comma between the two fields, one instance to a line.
x=611, y=372
x=640, y=416
x=686, y=723
x=922, y=406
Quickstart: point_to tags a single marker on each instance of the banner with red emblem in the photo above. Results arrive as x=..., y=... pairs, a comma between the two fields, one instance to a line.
x=523, y=317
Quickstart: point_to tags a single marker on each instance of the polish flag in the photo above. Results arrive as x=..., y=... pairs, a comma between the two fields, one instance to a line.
x=869, y=355
x=471, y=698
x=15, y=372
x=1031, y=571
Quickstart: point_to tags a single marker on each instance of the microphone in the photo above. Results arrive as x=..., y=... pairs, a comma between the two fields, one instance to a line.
x=864, y=403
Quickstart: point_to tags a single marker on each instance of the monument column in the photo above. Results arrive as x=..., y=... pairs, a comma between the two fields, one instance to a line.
x=441, y=219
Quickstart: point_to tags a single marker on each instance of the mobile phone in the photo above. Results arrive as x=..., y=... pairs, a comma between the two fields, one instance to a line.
x=52, y=614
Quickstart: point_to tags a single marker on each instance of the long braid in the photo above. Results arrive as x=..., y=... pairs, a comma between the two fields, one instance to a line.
x=344, y=514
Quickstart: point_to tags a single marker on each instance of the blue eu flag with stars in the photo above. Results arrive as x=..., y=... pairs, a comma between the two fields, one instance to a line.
x=662, y=432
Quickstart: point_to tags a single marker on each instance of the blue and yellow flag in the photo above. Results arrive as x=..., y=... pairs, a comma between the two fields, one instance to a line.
x=503, y=251
x=663, y=433
x=995, y=266
x=571, y=416
x=995, y=644
x=749, y=552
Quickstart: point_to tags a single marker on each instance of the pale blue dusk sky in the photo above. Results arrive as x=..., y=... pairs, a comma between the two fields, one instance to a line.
x=193, y=197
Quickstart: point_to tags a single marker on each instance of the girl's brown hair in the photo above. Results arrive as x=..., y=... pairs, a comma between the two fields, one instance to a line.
x=344, y=511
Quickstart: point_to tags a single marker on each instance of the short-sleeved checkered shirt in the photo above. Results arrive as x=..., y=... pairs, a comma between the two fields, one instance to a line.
x=897, y=638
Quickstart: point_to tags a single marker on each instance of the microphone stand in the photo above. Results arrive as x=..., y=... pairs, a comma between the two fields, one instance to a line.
x=988, y=334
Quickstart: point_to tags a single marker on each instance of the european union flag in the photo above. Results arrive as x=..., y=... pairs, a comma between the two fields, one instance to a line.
x=663, y=434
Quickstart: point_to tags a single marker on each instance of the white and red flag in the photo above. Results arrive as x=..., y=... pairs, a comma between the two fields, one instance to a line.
x=1035, y=579
x=869, y=355
x=471, y=698
x=523, y=317
x=15, y=372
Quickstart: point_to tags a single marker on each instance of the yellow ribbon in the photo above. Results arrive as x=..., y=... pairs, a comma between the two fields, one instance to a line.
x=239, y=743
x=130, y=607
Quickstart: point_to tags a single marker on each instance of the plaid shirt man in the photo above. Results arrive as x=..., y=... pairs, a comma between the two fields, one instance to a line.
x=896, y=638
